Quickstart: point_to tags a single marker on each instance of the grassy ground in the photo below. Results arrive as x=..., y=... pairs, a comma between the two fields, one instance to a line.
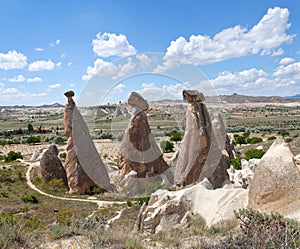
x=31, y=220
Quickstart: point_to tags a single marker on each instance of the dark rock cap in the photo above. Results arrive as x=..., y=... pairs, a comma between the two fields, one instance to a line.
x=193, y=96
x=137, y=100
x=69, y=94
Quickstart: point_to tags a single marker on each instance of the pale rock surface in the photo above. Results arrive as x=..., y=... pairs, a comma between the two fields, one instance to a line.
x=137, y=100
x=276, y=182
x=260, y=147
x=200, y=156
x=253, y=163
x=133, y=186
x=138, y=150
x=168, y=209
x=83, y=165
x=222, y=138
x=240, y=178
x=51, y=166
x=297, y=161
x=35, y=155
x=117, y=112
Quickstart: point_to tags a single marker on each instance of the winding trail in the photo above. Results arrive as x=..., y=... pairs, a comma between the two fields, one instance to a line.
x=32, y=186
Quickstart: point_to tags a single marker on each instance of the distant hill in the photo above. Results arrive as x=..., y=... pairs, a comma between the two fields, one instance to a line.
x=234, y=98
x=238, y=98
x=55, y=105
x=297, y=96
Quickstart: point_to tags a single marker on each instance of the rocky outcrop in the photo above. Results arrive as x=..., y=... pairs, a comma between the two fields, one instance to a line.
x=117, y=112
x=297, y=161
x=168, y=209
x=35, y=155
x=241, y=178
x=51, y=166
x=276, y=183
x=138, y=150
x=79, y=182
x=200, y=156
x=222, y=138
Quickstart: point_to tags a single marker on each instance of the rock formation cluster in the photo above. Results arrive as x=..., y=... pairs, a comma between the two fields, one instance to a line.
x=270, y=184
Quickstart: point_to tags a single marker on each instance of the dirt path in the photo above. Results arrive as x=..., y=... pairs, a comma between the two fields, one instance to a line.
x=31, y=185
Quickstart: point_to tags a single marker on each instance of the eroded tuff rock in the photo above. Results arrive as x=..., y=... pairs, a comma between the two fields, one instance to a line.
x=200, y=156
x=51, y=166
x=138, y=150
x=167, y=210
x=78, y=180
x=222, y=138
x=276, y=183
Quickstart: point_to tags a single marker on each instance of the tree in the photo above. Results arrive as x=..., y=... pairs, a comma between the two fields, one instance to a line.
x=30, y=128
x=33, y=139
x=176, y=137
x=166, y=146
x=12, y=156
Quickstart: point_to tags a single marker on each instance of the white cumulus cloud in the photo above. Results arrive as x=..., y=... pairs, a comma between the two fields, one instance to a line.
x=107, y=44
x=119, y=88
x=41, y=65
x=12, y=60
x=54, y=86
x=18, y=78
x=290, y=70
x=100, y=67
x=265, y=38
x=152, y=92
x=53, y=44
x=251, y=78
x=125, y=69
x=143, y=59
x=285, y=61
x=35, y=79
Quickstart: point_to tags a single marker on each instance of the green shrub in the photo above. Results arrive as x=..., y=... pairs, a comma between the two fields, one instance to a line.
x=6, y=217
x=12, y=156
x=59, y=140
x=269, y=231
x=176, y=137
x=288, y=139
x=166, y=146
x=33, y=139
x=237, y=139
x=3, y=194
x=236, y=163
x=63, y=155
x=254, y=140
x=254, y=153
x=283, y=133
x=246, y=134
x=272, y=138
x=29, y=199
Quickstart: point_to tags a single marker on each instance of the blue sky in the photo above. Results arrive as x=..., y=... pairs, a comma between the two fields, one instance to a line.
x=49, y=47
